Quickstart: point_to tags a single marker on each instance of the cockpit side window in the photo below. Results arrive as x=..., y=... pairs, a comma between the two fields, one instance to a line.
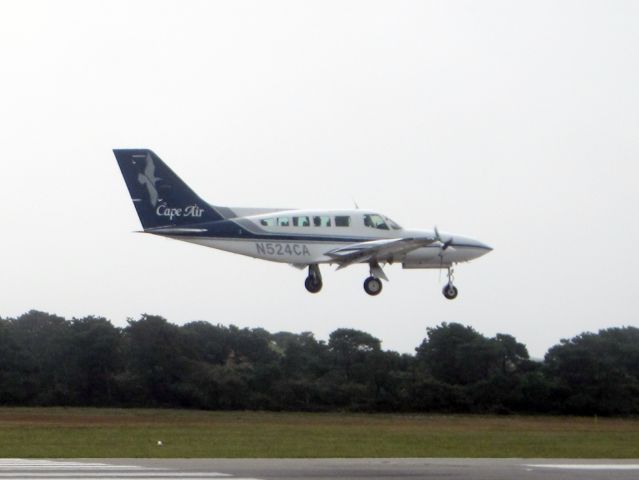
x=283, y=221
x=267, y=222
x=375, y=221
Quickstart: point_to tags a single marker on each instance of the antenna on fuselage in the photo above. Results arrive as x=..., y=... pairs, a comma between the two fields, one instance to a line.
x=355, y=202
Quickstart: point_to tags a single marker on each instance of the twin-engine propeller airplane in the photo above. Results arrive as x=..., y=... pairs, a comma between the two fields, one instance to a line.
x=303, y=238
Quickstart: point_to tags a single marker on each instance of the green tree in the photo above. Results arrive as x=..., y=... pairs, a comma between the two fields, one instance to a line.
x=94, y=355
x=155, y=361
x=350, y=349
x=459, y=355
x=44, y=344
x=596, y=373
x=304, y=362
x=514, y=355
x=14, y=368
x=206, y=342
x=363, y=377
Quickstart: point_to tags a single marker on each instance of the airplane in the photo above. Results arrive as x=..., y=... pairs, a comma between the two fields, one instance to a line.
x=305, y=239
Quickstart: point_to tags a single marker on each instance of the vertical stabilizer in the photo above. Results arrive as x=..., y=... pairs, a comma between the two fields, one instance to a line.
x=160, y=197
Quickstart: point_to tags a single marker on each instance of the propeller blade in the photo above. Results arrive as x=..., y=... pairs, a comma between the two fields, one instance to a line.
x=445, y=244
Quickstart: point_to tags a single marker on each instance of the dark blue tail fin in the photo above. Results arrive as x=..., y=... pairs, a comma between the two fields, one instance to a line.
x=160, y=197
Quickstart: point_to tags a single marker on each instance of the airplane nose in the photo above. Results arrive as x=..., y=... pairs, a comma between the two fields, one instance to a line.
x=477, y=248
x=482, y=247
x=467, y=248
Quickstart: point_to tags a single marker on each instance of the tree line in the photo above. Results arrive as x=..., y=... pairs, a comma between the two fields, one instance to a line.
x=48, y=360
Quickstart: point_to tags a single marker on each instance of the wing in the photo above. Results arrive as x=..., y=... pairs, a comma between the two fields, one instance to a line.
x=377, y=250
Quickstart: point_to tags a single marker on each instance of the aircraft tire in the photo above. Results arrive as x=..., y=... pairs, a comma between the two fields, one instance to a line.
x=373, y=286
x=312, y=285
x=450, y=291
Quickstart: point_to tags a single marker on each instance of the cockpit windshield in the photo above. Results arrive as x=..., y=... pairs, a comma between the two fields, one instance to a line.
x=373, y=220
x=392, y=224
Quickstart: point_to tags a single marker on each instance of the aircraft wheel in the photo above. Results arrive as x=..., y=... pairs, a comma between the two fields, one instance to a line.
x=450, y=291
x=373, y=286
x=312, y=284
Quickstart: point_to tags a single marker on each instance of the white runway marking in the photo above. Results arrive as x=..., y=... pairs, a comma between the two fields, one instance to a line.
x=155, y=474
x=15, y=464
x=586, y=466
x=59, y=470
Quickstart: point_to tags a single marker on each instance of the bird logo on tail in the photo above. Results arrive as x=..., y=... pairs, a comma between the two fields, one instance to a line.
x=149, y=179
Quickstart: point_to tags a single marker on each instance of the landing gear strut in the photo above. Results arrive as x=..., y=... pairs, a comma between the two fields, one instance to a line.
x=313, y=282
x=450, y=291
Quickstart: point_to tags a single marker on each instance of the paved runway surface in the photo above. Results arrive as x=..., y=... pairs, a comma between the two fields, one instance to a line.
x=369, y=469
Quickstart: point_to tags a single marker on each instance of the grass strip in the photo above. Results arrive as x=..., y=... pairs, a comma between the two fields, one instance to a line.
x=103, y=433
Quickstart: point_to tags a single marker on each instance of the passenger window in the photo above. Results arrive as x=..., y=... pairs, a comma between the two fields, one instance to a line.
x=268, y=222
x=342, y=221
x=301, y=222
x=322, y=221
x=283, y=221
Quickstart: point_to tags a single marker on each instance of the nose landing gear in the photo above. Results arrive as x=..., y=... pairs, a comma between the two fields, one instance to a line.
x=313, y=282
x=449, y=290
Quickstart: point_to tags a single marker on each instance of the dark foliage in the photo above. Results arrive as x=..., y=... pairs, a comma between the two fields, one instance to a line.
x=47, y=360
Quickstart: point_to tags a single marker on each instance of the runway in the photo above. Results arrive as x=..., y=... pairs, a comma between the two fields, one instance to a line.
x=369, y=469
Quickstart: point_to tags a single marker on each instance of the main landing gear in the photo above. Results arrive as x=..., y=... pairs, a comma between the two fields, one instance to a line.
x=313, y=282
x=373, y=284
x=450, y=291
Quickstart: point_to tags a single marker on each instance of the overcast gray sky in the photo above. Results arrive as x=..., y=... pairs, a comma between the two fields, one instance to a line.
x=516, y=123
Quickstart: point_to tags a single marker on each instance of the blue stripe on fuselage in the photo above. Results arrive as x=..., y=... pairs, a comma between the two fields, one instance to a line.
x=228, y=229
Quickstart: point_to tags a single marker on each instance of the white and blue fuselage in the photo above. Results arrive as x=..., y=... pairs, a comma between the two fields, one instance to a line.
x=302, y=237
x=166, y=206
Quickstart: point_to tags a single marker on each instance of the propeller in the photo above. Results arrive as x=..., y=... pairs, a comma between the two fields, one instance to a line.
x=445, y=244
